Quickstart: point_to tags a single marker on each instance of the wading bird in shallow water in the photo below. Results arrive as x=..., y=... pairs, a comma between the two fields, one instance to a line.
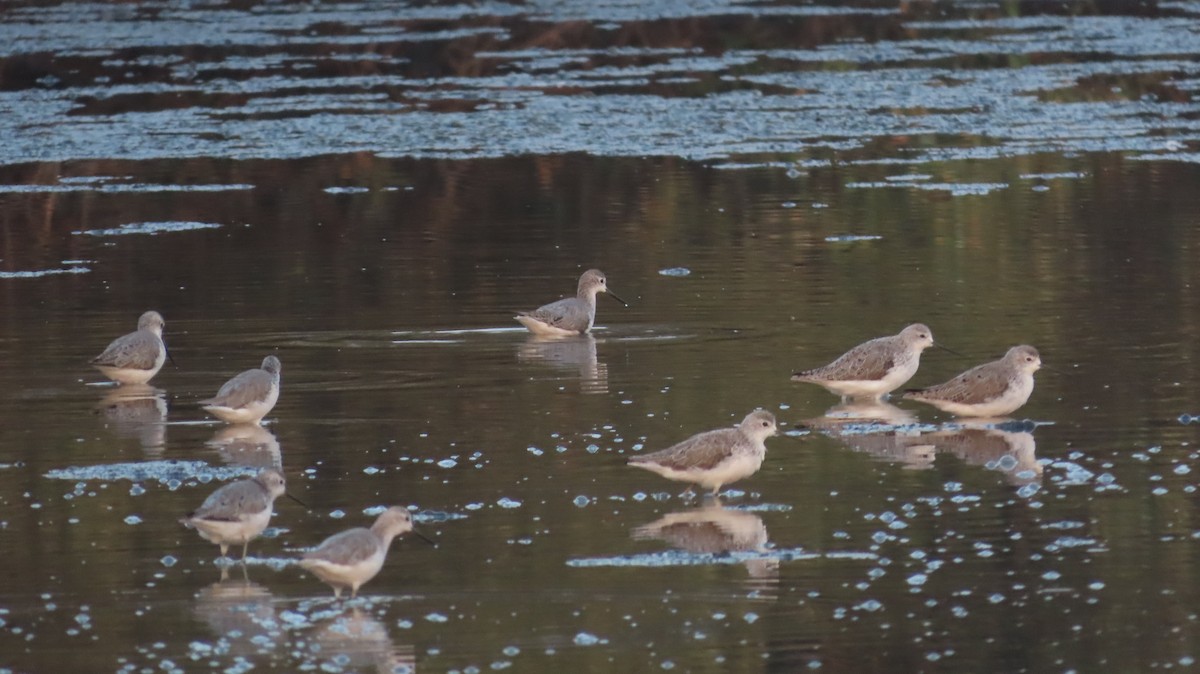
x=249, y=396
x=135, y=358
x=239, y=511
x=714, y=458
x=990, y=390
x=875, y=368
x=571, y=315
x=353, y=557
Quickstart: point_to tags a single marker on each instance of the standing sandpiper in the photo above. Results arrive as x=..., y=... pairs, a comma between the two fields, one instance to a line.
x=714, y=458
x=571, y=315
x=875, y=368
x=239, y=511
x=353, y=557
x=135, y=358
x=990, y=390
x=248, y=397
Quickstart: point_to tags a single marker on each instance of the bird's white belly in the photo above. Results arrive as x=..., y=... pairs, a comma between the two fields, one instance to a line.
x=728, y=471
x=348, y=575
x=133, y=375
x=865, y=388
x=539, y=328
x=1016, y=395
x=228, y=533
x=250, y=414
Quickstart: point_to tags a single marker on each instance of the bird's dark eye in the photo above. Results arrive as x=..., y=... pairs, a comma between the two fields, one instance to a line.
x=766, y=423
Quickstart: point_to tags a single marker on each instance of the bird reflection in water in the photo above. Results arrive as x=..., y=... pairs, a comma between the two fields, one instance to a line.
x=138, y=412
x=865, y=412
x=573, y=352
x=1013, y=452
x=892, y=434
x=359, y=642
x=713, y=529
x=877, y=428
x=247, y=445
x=239, y=611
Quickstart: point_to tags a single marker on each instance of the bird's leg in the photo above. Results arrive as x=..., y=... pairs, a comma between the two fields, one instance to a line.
x=245, y=545
x=337, y=592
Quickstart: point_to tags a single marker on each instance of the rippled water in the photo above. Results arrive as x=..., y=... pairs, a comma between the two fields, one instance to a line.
x=370, y=190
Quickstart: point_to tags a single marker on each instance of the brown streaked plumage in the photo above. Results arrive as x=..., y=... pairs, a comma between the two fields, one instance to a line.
x=993, y=389
x=353, y=557
x=875, y=368
x=714, y=458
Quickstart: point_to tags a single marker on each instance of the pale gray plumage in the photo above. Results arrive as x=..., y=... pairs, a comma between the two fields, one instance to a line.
x=874, y=368
x=571, y=315
x=714, y=458
x=239, y=511
x=992, y=389
x=136, y=357
x=351, y=558
x=249, y=396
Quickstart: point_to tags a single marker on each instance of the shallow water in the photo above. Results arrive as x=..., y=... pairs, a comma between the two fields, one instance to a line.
x=369, y=192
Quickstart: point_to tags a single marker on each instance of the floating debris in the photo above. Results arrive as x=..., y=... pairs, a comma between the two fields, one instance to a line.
x=670, y=558
x=850, y=238
x=93, y=186
x=44, y=272
x=955, y=189
x=676, y=272
x=150, y=228
x=164, y=472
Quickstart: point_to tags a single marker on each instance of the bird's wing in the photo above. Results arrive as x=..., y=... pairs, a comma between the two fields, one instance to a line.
x=347, y=548
x=137, y=350
x=866, y=362
x=699, y=452
x=248, y=387
x=977, y=385
x=564, y=314
x=232, y=503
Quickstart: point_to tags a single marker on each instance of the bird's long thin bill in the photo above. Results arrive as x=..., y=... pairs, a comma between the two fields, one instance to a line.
x=295, y=499
x=949, y=350
x=169, y=356
x=614, y=296
x=423, y=537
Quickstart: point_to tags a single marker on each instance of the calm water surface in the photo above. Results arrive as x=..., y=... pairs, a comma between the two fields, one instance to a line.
x=370, y=190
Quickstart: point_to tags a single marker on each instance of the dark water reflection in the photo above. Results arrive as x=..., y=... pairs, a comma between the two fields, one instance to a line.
x=369, y=192
x=407, y=382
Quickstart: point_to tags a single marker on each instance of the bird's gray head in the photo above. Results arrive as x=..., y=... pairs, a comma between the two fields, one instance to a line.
x=593, y=281
x=1024, y=357
x=272, y=480
x=271, y=364
x=759, y=424
x=393, y=522
x=918, y=335
x=152, y=321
